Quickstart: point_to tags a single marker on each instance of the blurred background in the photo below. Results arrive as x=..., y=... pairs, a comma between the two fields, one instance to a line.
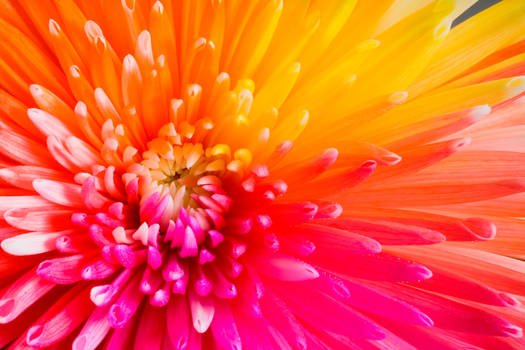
x=477, y=7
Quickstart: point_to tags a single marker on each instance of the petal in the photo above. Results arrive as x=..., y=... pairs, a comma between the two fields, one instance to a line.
x=61, y=193
x=31, y=243
x=54, y=327
x=94, y=331
x=283, y=267
x=151, y=334
x=178, y=322
x=336, y=242
x=23, y=176
x=327, y=313
x=381, y=266
x=24, y=150
x=126, y=305
x=12, y=202
x=24, y=292
x=202, y=311
x=224, y=328
x=38, y=220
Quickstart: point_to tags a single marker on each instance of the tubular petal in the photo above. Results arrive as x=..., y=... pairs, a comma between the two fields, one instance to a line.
x=94, y=331
x=126, y=305
x=335, y=317
x=30, y=243
x=51, y=329
x=23, y=176
x=283, y=267
x=154, y=318
x=224, y=329
x=178, y=318
x=202, y=311
x=25, y=291
x=59, y=192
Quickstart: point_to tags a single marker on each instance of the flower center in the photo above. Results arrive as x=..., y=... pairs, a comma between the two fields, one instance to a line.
x=185, y=176
x=176, y=174
x=177, y=222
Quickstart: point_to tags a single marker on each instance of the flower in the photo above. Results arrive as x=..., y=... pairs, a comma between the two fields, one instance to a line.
x=261, y=175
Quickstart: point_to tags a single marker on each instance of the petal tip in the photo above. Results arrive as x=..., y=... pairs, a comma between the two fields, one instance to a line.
x=509, y=300
x=34, y=334
x=6, y=308
x=511, y=330
x=79, y=343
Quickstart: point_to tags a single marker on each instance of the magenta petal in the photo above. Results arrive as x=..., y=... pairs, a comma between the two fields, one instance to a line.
x=283, y=267
x=202, y=311
x=25, y=291
x=178, y=322
x=94, y=331
x=224, y=328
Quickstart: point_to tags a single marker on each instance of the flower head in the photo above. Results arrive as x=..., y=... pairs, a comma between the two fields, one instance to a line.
x=261, y=175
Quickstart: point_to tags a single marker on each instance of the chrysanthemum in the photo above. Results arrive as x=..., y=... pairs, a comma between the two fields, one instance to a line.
x=208, y=174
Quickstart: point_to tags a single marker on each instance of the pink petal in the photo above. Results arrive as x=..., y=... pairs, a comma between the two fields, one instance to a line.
x=454, y=284
x=39, y=220
x=23, y=176
x=61, y=154
x=22, y=293
x=13, y=202
x=202, y=283
x=178, y=322
x=254, y=335
x=278, y=314
x=120, y=338
x=336, y=242
x=222, y=287
x=161, y=297
x=83, y=153
x=127, y=303
x=383, y=267
x=277, y=338
x=66, y=270
x=390, y=233
x=150, y=282
x=189, y=246
x=94, y=331
x=47, y=123
x=90, y=196
x=328, y=314
x=128, y=257
x=328, y=210
x=54, y=327
x=386, y=305
x=293, y=213
x=224, y=329
x=172, y=268
x=283, y=267
x=296, y=246
x=152, y=326
x=73, y=243
x=455, y=315
x=24, y=150
x=98, y=269
x=202, y=311
x=31, y=243
x=104, y=294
